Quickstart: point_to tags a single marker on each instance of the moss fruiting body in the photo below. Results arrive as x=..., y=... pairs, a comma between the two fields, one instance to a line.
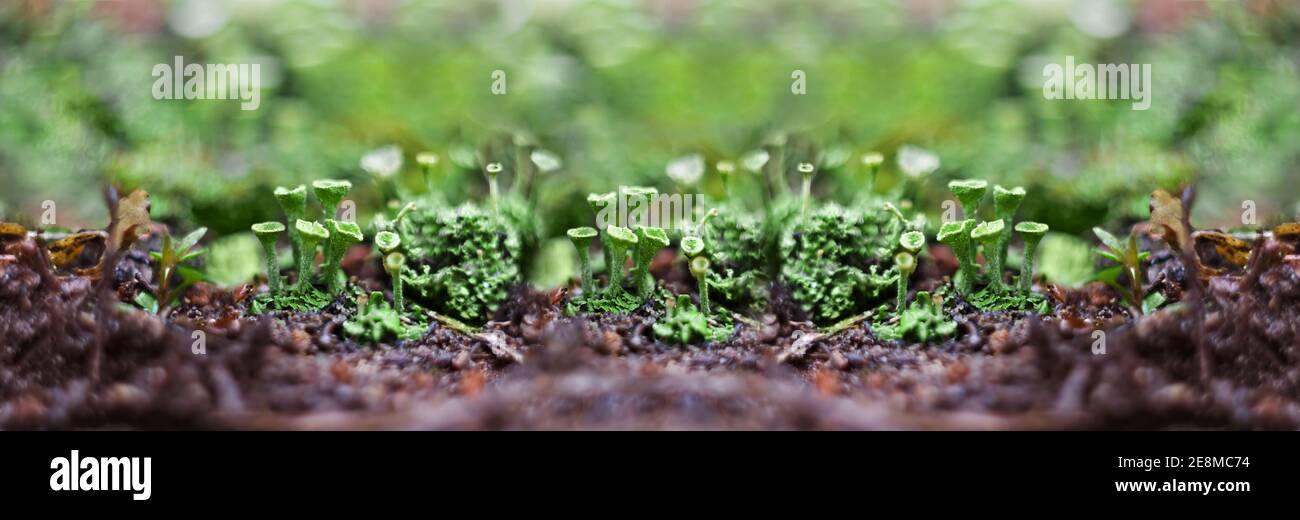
x=294, y=204
x=872, y=161
x=969, y=192
x=618, y=240
x=311, y=234
x=393, y=265
x=725, y=170
x=581, y=238
x=906, y=264
x=988, y=234
x=700, y=270
x=956, y=235
x=493, y=170
x=387, y=241
x=1005, y=203
x=807, y=170
x=692, y=246
x=1031, y=233
x=330, y=193
x=267, y=233
x=649, y=241
x=342, y=236
x=428, y=162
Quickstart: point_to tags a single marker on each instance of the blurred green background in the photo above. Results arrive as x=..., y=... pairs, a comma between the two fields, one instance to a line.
x=619, y=88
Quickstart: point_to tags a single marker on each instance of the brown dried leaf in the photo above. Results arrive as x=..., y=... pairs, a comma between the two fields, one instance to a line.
x=11, y=231
x=1168, y=220
x=1288, y=231
x=1234, y=250
x=66, y=250
x=132, y=219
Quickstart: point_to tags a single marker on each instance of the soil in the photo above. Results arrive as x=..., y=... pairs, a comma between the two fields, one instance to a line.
x=1226, y=356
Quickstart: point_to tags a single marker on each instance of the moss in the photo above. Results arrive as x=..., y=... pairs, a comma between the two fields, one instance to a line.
x=268, y=233
x=956, y=235
x=923, y=321
x=684, y=324
x=460, y=261
x=581, y=238
x=376, y=321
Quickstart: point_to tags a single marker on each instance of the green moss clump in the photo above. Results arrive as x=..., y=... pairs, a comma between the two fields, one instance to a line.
x=683, y=323
x=924, y=320
x=833, y=260
x=460, y=261
x=376, y=320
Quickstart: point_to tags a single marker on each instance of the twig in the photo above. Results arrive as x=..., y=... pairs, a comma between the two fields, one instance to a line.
x=495, y=340
x=800, y=346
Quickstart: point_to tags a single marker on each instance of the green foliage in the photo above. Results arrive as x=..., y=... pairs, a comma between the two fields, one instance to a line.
x=832, y=259
x=1005, y=298
x=604, y=302
x=1128, y=270
x=923, y=320
x=303, y=298
x=376, y=320
x=1065, y=259
x=683, y=323
x=170, y=259
x=738, y=247
x=461, y=261
x=233, y=259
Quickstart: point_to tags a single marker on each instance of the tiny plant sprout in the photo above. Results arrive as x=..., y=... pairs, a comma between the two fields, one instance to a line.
x=872, y=161
x=342, y=236
x=725, y=170
x=1031, y=233
x=755, y=160
x=807, y=170
x=700, y=270
x=387, y=241
x=618, y=240
x=428, y=162
x=704, y=221
x=988, y=234
x=692, y=246
x=906, y=263
x=268, y=233
x=330, y=193
x=969, y=193
x=545, y=161
x=1005, y=203
x=294, y=203
x=393, y=265
x=956, y=235
x=686, y=171
x=912, y=241
x=581, y=238
x=312, y=234
x=492, y=170
x=649, y=241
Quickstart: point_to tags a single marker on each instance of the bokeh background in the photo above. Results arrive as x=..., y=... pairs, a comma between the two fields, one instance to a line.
x=619, y=88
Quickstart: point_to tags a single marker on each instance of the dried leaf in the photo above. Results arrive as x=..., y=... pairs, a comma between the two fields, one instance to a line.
x=132, y=218
x=1168, y=220
x=1288, y=231
x=11, y=231
x=1234, y=250
x=66, y=250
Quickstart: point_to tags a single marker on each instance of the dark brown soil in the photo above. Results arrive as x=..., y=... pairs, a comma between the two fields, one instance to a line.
x=71, y=358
